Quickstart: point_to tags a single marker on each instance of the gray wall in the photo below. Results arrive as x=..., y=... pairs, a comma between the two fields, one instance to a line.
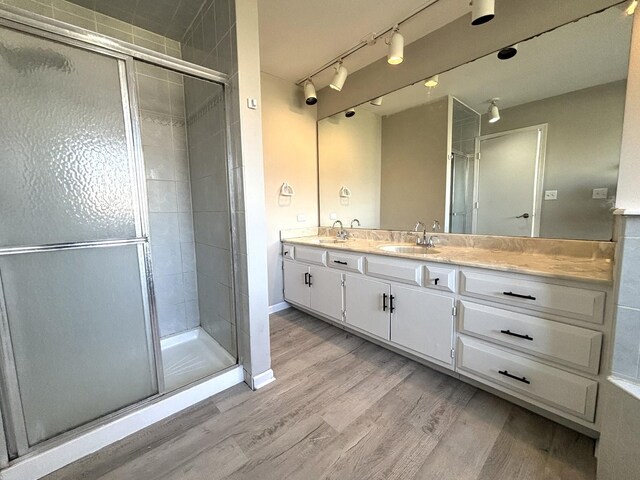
x=583, y=153
x=414, y=166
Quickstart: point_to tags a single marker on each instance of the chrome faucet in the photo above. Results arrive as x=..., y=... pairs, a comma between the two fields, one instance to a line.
x=354, y=221
x=433, y=240
x=419, y=240
x=342, y=233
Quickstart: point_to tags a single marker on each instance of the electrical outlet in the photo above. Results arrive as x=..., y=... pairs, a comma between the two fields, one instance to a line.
x=600, y=193
x=302, y=218
x=551, y=194
x=333, y=216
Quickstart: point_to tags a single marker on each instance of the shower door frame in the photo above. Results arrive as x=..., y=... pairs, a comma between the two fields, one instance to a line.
x=126, y=53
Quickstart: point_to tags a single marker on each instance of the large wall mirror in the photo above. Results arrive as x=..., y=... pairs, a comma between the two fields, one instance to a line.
x=524, y=146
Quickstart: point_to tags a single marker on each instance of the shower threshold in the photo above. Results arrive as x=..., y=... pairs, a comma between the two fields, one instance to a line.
x=191, y=356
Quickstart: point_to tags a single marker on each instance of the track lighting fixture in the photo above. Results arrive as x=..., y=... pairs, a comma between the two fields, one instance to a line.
x=482, y=11
x=311, y=98
x=508, y=52
x=340, y=76
x=631, y=8
x=350, y=113
x=395, y=55
x=494, y=112
x=376, y=101
x=432, y=82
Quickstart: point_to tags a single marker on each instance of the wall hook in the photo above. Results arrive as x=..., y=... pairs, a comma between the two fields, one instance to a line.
x=287, y=190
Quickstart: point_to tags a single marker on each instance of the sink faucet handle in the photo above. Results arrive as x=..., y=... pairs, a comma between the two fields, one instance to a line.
x=436, y=226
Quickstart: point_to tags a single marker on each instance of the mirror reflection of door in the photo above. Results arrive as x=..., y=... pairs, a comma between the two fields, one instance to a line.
x=509, y=174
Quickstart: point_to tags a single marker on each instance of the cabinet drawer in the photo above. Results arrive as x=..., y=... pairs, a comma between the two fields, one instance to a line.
x=582, y=304
x=404, y=271
x=315, y=256
x=345, y=261
x=440, y=277
x=573, y=346
x=288, y=252
x=565, y=391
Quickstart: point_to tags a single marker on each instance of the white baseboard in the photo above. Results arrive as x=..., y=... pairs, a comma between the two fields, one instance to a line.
x=262, y=379
x=278, y=307
x=48, y=461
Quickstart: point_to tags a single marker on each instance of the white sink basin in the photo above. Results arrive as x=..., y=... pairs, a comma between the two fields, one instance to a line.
x=415, y=249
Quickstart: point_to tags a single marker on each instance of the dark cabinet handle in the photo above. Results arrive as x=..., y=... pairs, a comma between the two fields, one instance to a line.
x=520, y=379
x=384, y=302
x=509, y=332
x=306, y=278
x=340, y=262
x=391, y=306
x=517, y=295
x=310, y=277
x=286, y=253
x=436, y=280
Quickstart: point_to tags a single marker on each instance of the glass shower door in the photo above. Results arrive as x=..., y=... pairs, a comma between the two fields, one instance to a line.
x=76, y=335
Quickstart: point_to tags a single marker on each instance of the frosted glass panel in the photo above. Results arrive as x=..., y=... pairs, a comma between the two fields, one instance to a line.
x=79, y=335
x=63, y=150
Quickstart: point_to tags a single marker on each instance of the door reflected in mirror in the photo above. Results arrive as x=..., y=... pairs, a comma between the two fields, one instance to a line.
x=527, y=146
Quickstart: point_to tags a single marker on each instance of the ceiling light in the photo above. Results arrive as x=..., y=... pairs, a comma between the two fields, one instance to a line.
x=395, y=55
x=310, y=93
x=494, y=112
x=482, y=11
x=631, y=8
x=432, y=81
x=340, y=76
x=350, y=113
x=508, y=52
x=376, y=101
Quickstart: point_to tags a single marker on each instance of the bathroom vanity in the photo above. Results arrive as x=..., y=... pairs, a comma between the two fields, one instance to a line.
x=529, y=320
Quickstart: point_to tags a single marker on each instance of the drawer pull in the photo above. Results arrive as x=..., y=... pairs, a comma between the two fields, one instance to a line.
x=306, y=278
x=436, y=280
x=310, y=277
x=340, y=262
x=509, y=332
x=517, y=295
x=520, y=379
x=286, y=253
x=391, y=307
x=384, y=302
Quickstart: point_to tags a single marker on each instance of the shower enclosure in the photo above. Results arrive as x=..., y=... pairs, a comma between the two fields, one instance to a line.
x=116, y=258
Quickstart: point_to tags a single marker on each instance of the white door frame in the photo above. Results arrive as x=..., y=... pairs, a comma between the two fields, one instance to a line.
x=541, y=151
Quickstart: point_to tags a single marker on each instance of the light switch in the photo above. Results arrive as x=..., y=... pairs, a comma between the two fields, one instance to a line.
x=302, y=218
x=252, y=103
x=600, y=193
x=333, y=216
x=551, y=194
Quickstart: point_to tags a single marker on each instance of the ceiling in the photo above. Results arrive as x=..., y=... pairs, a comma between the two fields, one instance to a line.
x=592, y=51
x=169, y=18
x=299, y=36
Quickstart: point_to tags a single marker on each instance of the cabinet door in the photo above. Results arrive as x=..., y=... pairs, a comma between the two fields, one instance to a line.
x=423, y=322
x=365, y=306
x=326, y=292
x=296, y=289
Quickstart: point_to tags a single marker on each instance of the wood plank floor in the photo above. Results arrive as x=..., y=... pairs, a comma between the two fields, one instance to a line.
x=344, y=408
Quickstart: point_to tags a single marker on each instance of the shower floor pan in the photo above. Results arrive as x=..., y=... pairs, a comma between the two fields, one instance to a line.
x=190, y=356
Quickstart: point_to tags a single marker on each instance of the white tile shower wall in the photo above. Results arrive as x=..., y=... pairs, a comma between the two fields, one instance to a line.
x=162, y=115
x=96, y=22
x=626, y=353
x=224, y=37
x=211, y=220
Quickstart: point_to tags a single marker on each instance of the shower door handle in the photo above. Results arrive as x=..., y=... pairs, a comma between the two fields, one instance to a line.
x=524, y=215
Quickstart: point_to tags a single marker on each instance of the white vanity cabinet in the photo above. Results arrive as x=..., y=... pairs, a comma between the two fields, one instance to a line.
x=534, y=339
x=314, y=287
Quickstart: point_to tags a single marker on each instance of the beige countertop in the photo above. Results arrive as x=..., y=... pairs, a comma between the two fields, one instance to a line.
x=584, y=269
